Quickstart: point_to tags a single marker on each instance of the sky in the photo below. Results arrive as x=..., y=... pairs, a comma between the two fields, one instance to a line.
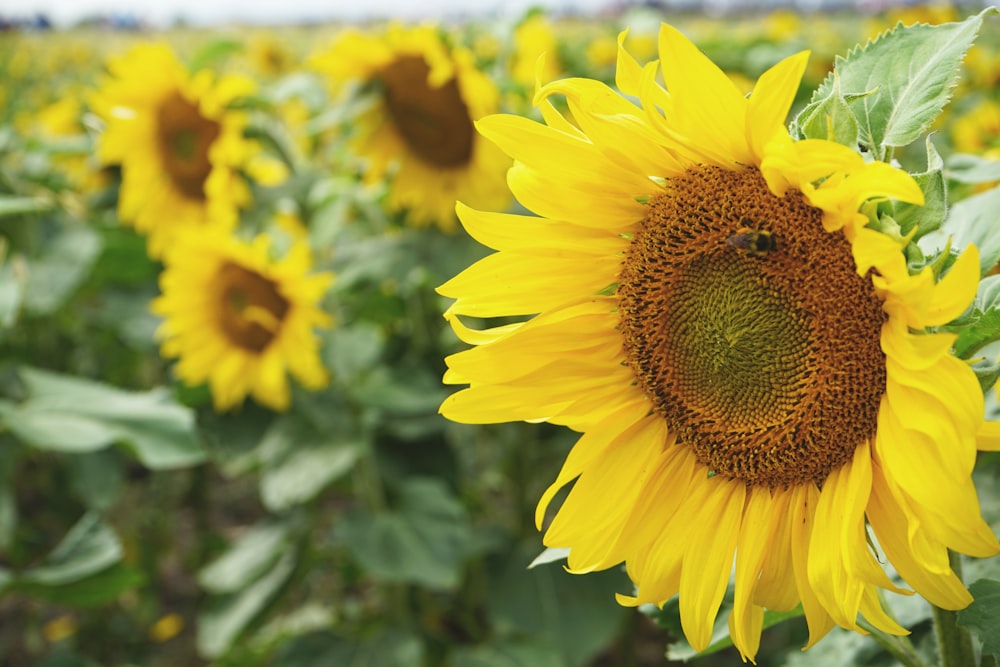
x=206, y=12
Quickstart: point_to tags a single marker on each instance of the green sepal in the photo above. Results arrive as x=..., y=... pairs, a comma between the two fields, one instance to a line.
x=980, y=324
x=930, y=216
x=829, y=118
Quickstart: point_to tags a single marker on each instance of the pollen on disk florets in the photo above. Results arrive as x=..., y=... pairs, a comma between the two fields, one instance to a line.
x=765, y=359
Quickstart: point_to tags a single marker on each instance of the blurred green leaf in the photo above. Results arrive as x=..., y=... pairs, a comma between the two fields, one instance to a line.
x=966, y=168
x=61, y=657
x=550, y=555
x=311, y=617
x=972, y=221
x=11, y=205
x=721, y=639
x=389, y=647
x=928, y=217
x=913, y=69
x=840, y=647
x=65, y=264
x=97, y=477
x=578, y=615
x=11, y=294
x=353, y=350
x=982, y=617
x=508, y=654
x=298, y=461
x=246, y=559
x=425, y=541
x=401, y=389
x=305, y=472
x=980, y=325
x=95, y=590
x=212, y=54
x=89, y=547
x=223, y=618
x=70, y=414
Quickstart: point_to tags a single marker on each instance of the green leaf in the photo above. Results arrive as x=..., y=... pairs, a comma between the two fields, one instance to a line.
x=577, y=615
x=11, y=205
x=980, y=325
x=425, y=541
x=352, y=351
x=966, y=168
x=305, y=472
x=212, y=54
x=928, y=217
x=550, y=555
x=69, y=414
x=829, y=118
x=389, y=647
x=54, y=276
x=982, y=617
x=89, y=547
x=98, y=589
x=298, y=461
x=97, y=477
x=972, y=221
x=721, y=639
x=913, y=69
x=507, y=654
x=246, y=559
x=225, y=617
x=11, y=294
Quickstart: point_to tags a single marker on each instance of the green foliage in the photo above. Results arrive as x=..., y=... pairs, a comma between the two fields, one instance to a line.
x=982, y=617
x=68, y=414
x=425, y=541
x=897, y=84
x=972, y=221
x=980, y=325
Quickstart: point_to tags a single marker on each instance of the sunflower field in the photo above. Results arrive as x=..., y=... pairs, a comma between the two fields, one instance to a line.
x=564, y=340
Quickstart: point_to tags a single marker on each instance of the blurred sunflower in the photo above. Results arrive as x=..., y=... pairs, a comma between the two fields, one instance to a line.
x=238, y=319
x=749, y=363
x=421, y=128
x=180, y=146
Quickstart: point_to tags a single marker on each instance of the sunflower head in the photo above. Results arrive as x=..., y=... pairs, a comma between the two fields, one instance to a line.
x=180, y=145
x=420, y=131
x=757, y=376
x=240, y=319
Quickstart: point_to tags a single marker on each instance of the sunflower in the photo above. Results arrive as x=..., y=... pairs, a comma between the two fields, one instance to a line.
x=421, y=128
x=238, y=319
x=180, y=146
x=750, y=364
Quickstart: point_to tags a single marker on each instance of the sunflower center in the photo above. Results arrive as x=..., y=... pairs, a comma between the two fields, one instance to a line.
x=434, y=122
x=749, y=329
x=251, y=308
x=184, y=137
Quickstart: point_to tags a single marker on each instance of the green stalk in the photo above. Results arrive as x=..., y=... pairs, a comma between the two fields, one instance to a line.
x=954, y=641
x=900, y=648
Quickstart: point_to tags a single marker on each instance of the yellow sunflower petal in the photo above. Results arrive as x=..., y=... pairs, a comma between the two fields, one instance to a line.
x=771, y=99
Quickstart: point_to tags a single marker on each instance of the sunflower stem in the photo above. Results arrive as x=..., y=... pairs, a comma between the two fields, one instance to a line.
x=898, y=647
x=954, y=641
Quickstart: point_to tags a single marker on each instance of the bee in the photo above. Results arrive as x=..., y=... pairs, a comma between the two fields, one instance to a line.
x=757, y=242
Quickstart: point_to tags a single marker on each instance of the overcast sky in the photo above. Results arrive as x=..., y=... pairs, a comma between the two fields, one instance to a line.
x=278, y=11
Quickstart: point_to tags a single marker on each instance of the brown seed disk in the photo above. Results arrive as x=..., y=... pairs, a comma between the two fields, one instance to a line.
x=184, y=137
x=434, y=122
x=764, y=357
x=251, y=309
